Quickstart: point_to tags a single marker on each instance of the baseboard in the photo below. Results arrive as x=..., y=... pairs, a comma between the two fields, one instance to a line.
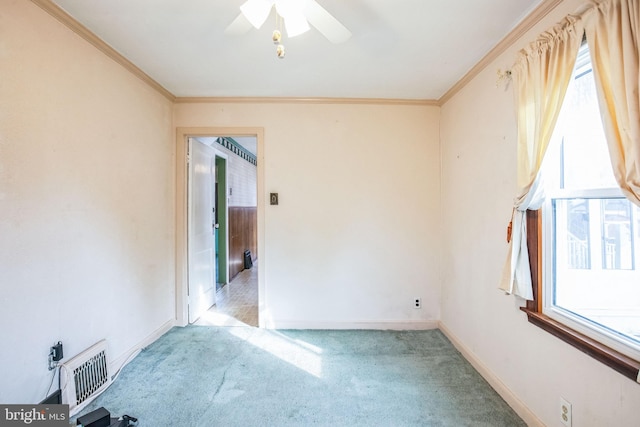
x=128, y=355
x=512, y=400
x=373, y=325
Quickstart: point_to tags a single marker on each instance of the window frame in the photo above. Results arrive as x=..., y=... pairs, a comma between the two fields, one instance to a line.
x=622, y=363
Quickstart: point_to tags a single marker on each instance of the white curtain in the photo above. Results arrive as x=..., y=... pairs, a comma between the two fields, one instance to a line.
x=612, y=29
x=541, y=73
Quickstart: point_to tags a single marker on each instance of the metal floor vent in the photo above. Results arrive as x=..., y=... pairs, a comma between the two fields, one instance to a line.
x=86, y=375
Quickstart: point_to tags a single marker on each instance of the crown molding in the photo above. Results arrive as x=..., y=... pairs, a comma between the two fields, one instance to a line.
x=58, y=13
x=292, y=100
x=525, y=25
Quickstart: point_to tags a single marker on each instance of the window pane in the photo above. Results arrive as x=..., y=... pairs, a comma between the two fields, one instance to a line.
x=617, y=234
x=606, y=292
x=575, y=233
x=581, y=135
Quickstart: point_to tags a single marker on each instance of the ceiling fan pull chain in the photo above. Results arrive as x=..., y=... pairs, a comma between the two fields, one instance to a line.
x=277, y=36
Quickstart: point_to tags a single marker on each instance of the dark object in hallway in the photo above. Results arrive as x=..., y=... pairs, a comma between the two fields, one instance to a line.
x=248, y=262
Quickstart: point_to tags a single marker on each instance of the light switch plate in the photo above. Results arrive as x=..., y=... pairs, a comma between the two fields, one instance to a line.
x=273, y=198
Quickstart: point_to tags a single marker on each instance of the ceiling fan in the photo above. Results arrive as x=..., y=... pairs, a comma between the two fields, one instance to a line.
x=297, y=15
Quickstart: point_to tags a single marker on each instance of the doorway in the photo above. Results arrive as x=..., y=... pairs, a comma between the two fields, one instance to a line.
x=222, y=192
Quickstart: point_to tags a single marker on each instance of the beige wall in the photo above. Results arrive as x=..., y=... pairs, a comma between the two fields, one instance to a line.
x=86, y=201
x=87, y=208
x=353, y=239
x=478, y=133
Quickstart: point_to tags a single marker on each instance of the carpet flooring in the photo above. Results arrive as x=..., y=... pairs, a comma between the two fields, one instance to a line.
x=243, y=376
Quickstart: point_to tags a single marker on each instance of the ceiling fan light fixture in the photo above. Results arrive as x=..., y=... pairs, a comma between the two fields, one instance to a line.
x=256, y=11
x=276, y=36
x=295, y=15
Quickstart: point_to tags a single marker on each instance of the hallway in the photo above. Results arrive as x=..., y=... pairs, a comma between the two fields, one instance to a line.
x=236, y=303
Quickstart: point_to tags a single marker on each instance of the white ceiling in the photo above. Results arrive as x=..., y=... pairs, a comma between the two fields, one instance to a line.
x=400, y=49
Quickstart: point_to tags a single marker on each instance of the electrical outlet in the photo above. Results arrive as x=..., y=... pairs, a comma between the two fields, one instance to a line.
x=417, y=303
x=565, y=412
x=56, y=352
x=55, y=355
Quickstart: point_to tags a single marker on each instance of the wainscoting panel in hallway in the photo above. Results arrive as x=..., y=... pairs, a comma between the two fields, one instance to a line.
x=243, y=235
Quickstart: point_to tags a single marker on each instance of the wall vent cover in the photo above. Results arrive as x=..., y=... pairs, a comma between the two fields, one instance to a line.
x=85, y=376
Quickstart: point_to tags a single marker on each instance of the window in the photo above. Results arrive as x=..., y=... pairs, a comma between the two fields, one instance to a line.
x=586, y=244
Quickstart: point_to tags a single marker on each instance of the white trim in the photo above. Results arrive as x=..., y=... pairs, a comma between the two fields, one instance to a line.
x=512, y=400
x=395, y=325
x=126, y=357
x=592, y=329
x=298, y=100
x=596, y=193
x=181, y=170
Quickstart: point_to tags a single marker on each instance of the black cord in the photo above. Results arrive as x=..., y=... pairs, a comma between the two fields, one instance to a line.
x=59, y=385
x=131, y=421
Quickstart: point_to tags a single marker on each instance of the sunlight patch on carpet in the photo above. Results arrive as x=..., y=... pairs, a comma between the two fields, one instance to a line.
x=300, y=354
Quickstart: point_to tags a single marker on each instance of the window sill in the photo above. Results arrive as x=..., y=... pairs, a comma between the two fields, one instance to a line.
x=628, y=367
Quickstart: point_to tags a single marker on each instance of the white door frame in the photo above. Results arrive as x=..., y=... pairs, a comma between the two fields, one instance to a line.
x=182, y=170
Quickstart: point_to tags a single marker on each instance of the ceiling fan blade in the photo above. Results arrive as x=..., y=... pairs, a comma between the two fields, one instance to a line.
x=257, y=11
x=292, y=13
x=325, y=23
x=239, y=26
x=296, y=24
